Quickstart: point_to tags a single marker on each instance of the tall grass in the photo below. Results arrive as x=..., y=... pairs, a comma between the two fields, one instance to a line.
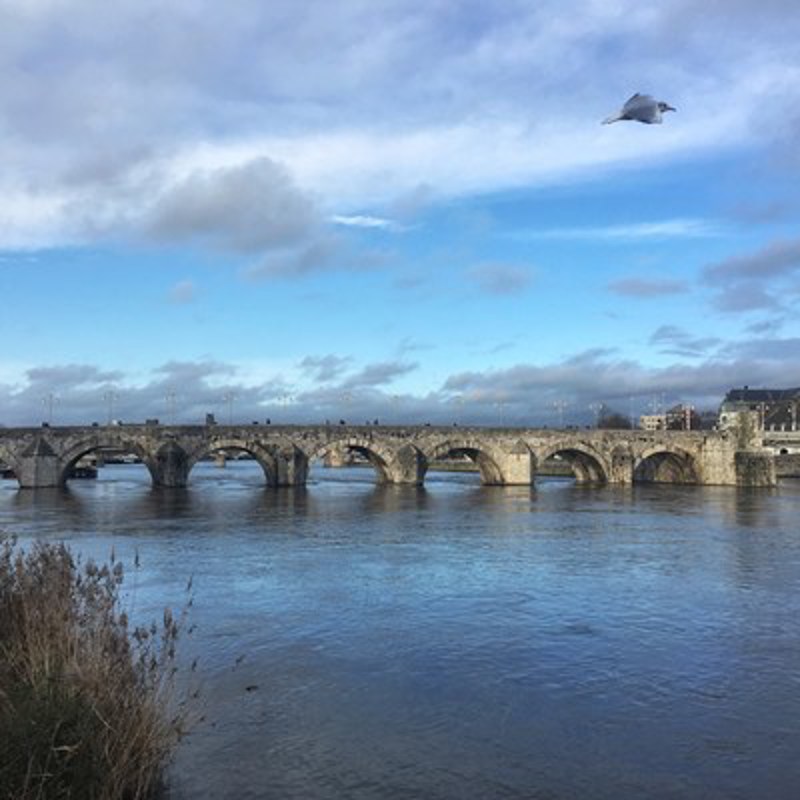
x=87, y=705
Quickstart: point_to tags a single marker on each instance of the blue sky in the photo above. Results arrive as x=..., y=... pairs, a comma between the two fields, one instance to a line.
x=402, y=210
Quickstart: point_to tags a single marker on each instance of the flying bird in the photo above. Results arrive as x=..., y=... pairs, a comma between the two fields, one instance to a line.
x=642, y=108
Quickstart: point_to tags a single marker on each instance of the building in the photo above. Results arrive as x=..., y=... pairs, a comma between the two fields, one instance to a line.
x=680, y=418
x=777, y=409
x=653, y=422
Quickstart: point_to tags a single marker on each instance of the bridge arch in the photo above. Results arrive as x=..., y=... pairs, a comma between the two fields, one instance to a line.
x=588, y=465
x=379, y=457
x=486, y=461
x=266, y=456
x=662, y=464
x=115, y=442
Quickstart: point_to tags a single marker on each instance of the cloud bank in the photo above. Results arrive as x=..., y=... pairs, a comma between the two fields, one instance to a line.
x=335, y=387
x=353, y=106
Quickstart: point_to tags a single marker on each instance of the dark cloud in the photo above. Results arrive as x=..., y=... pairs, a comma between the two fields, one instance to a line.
x=194, y=370
x=595, y=376
x=247, y=208
x=754, y=281
x=778, y=351
x=777, y=259
x=326, y=251
x=745, y=296
x=69, y=376
x=379, y=374
x=317, y=255
x=523, y=394
x=83, y=393
x=109, y=166
x=673, y=340
x=763, y=327
x=500, y=279
x=642, y=287
x=324, y=369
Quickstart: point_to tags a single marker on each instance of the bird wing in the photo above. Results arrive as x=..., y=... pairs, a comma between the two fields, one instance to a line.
x=639, y=102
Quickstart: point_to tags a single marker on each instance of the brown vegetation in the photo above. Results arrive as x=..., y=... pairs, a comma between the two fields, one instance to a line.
x=87, y=706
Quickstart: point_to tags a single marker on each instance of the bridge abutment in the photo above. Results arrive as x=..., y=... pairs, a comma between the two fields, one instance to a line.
x=755, y=468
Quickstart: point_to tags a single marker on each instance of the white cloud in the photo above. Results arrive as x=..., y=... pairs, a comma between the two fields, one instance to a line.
x=391, y=97
x=679, y=228
x=364, y=221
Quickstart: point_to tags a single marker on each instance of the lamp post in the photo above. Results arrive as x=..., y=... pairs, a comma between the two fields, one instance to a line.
x=229, y=397
x=48, y=401
x=559, y=406
x=347, y=398
x=285, y=399
x=460, y=400
x=110, y=397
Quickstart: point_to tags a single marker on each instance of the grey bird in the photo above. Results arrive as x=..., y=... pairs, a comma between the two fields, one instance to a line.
x=642, y=108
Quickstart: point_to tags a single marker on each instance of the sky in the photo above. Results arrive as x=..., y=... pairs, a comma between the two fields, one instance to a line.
x=394, y=209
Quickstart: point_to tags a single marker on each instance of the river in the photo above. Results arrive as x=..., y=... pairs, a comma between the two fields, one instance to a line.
x=459, y=641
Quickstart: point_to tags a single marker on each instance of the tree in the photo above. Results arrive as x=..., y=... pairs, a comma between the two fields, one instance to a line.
x=611, y=420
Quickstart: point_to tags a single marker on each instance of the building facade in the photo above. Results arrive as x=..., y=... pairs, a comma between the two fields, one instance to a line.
x=775, y=409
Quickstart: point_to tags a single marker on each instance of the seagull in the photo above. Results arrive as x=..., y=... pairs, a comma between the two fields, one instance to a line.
x=642, y=108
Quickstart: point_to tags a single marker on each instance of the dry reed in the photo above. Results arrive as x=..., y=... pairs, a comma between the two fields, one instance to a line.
x=87, y=705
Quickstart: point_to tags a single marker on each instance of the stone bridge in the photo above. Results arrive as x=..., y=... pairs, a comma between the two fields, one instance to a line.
x=42, y=457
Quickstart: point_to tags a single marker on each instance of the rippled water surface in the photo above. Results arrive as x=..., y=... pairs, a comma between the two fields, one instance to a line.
x=460, y=641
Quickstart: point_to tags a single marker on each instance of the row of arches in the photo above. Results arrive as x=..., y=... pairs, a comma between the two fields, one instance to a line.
x=278, y=460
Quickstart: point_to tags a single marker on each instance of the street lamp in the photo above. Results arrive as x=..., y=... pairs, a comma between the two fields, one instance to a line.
x=229, y=397
x=347, y=398
x=48, y=401
x=110, y=397
x=285, y=399
x=559, y=406
x=170, y=397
